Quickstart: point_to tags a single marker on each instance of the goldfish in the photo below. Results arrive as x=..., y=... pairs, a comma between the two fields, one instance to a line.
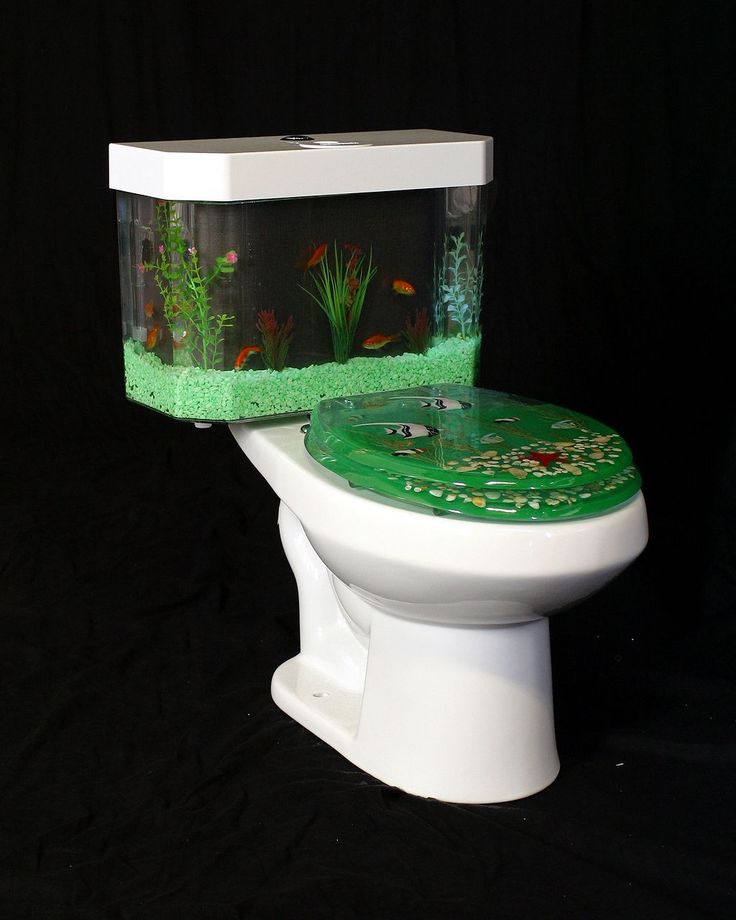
x=317, y=255
x=399, y=286
x=378, y=341
x=314, y=258
x=244, y=354
x=152, y=337
x=148, y=309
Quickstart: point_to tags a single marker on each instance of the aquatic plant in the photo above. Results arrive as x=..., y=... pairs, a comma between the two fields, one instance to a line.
x=460, y=283
x=416, y=332
x=341, y=287
x=185, y=286
x=275, y=337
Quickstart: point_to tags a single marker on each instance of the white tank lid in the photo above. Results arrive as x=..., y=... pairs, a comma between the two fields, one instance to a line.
x=299, y=166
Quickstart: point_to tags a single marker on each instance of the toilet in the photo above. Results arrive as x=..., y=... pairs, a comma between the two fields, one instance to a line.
x=431, y=532
x=432, y=527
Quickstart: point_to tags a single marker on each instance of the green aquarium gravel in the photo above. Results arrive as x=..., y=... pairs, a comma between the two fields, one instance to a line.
x=196, y=394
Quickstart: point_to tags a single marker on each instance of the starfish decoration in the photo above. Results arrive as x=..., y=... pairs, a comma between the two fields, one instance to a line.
x=544, y=459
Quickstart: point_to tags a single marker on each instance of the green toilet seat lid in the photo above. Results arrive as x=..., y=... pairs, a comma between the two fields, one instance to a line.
x=477, y=453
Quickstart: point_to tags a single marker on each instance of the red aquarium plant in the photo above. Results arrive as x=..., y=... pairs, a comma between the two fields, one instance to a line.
x=276, y=338
x=416, y=332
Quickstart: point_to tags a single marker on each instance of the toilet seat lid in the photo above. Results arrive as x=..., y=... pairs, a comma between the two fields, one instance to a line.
x=474, y=452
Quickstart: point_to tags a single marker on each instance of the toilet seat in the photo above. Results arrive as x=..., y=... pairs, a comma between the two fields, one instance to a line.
x=473, y=452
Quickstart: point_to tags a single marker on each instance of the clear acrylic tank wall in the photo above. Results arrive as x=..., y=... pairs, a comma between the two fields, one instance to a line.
x=260, y=275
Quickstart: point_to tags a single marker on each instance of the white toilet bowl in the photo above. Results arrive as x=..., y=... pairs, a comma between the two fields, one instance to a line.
x=424, y=653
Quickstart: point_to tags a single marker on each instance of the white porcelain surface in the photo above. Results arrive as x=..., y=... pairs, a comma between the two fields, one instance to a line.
x=424, y=642
x=418, y=564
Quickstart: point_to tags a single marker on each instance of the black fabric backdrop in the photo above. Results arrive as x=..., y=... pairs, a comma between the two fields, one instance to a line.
x=145, y=600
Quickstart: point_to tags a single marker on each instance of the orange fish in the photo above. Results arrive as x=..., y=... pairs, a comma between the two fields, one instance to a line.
x=378, y=341
x=314, y=258
x=400, y=286
x=244, y=354
x=152, y=337
x=148, y=309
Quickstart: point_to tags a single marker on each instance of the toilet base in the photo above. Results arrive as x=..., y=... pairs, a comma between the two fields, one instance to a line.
x=457, y=713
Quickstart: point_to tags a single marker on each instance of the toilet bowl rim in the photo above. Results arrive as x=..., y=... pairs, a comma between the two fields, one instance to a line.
x=332, y=512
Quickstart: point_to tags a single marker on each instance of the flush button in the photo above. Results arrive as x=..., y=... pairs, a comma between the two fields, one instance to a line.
x=309, y=143
x=330, y=145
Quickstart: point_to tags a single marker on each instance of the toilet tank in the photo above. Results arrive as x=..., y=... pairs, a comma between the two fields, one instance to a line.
x=261, y=275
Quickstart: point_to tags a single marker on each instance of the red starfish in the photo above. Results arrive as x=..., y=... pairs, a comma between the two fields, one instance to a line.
x=544, y=459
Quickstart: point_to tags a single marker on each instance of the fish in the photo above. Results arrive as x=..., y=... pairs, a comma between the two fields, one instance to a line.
x=399, y=286
x=244, y=354
x=148, y=309
x=438, y=402
x=403, y=429
x=152, y=337
x=315, y=257
x=407, y=452
x=491, y=439
x=511, y=418
x=564, y=423
x=378, y=341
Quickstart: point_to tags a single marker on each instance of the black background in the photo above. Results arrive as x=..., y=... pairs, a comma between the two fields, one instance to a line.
x=145, y=600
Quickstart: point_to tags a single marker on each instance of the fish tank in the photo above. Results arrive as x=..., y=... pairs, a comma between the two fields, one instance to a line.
x=261, y=275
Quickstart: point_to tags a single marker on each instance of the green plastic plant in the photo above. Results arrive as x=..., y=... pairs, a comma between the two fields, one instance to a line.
x=460, y=284
x=341, y=286
x=184, y=288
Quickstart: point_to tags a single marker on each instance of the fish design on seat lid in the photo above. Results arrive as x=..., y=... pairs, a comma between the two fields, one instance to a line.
x=437, y=402
x=403, y=429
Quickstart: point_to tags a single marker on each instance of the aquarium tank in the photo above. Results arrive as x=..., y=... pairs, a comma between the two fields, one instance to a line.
x=261, y=275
